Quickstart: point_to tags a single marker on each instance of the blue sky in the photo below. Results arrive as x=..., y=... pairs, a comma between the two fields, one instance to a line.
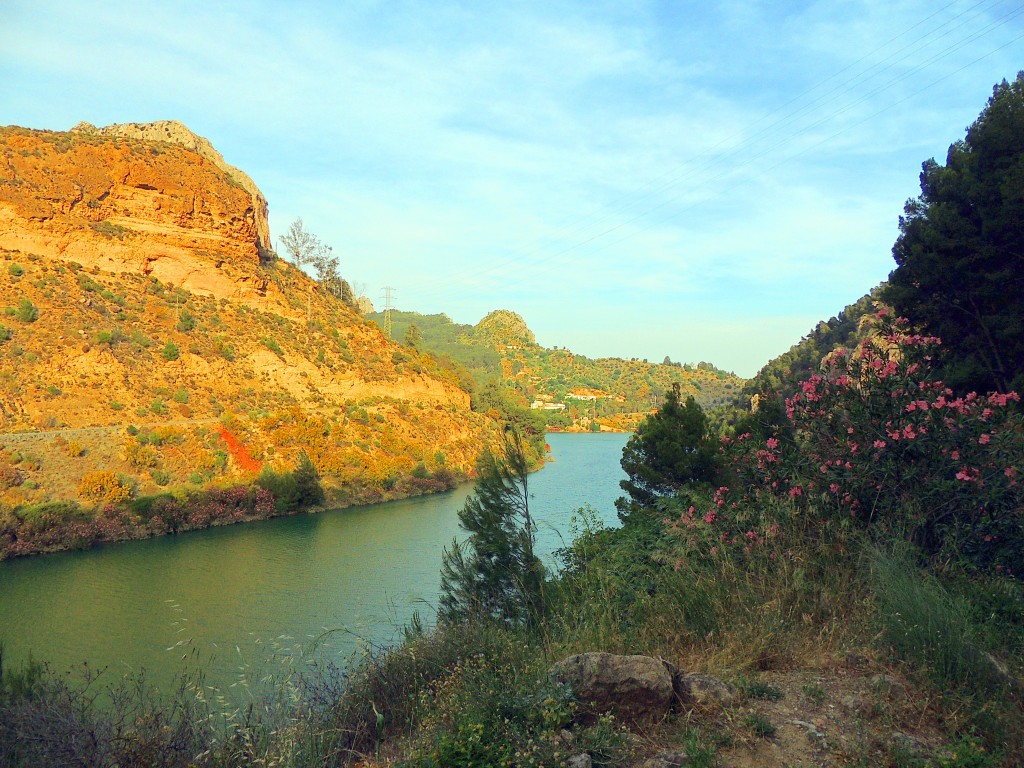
x=636, y=179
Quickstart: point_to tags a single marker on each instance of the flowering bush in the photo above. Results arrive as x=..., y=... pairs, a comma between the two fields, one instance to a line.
x=876, y=444
x=104, y=487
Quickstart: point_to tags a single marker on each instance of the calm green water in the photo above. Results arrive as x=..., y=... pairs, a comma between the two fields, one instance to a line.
x=226, y=597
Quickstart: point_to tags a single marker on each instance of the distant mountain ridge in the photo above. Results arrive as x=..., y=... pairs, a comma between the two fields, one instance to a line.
x=572, y=390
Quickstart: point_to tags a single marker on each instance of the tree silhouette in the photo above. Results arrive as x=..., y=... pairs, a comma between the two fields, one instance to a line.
x=960, y=253
x=494, y=574
x=669, y=449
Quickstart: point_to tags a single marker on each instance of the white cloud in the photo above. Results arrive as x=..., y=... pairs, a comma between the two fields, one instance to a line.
x=735, y=160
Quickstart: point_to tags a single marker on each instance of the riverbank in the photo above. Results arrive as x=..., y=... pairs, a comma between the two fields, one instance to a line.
x=68, y=525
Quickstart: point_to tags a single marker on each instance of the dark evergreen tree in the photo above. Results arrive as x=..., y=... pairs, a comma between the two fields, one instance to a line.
x=494, y=574
x=293, y=490
x=413, y=337
x=669, y=449
x=960, y=253
x=307, y=481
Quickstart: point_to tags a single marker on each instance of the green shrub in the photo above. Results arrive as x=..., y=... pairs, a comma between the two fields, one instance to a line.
x=224, y=349
x=273, y=346
x=26, y=312
x=16, y=270
x=927, y=625
x=137, y=337
x=109, y=230
x=111, y=337
x=87, y=284
x=170, y=351
x=22, y=682
x=760, y=725
x=5, y=333
x=755, y=689
x=186, y=322
x=293, y=490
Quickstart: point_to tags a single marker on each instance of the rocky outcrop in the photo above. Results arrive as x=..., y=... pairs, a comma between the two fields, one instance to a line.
x=704, y=690
x=634, y=688
x=174, y=132
x=140, y=256
x=504, y=328
x=123, y=200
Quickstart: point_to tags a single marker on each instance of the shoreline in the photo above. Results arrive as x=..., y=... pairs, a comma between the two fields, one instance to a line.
x=167, y=514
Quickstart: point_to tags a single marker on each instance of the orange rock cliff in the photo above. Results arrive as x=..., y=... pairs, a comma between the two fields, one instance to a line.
x=139, y=289
x=150, y=198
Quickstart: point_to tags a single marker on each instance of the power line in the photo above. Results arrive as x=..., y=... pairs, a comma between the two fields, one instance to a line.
x=765, y=134
x=864, y=77
x=510, y=283
x=387, y=297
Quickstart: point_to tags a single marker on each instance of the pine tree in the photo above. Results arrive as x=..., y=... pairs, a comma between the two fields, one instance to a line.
x=669, y=449
x=960, y=265
x=494, y=574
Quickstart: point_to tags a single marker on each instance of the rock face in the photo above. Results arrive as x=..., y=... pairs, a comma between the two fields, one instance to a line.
x=174, y=132
x=137, y=291
x=150, y=198
x=634, y=688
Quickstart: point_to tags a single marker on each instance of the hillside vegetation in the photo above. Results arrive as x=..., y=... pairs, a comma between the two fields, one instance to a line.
x=121, y=385
x=570, y=390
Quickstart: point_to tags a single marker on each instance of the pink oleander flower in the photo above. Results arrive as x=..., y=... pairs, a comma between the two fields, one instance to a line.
x=984, y=439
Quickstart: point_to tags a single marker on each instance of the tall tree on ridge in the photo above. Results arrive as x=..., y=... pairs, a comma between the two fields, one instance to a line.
x=960, y=253
x=306, y=248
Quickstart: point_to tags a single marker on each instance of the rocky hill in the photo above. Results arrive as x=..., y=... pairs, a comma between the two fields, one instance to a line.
x=149, y=331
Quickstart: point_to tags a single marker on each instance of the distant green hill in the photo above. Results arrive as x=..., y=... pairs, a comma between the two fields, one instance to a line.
x=782, y=374
x=573, y=391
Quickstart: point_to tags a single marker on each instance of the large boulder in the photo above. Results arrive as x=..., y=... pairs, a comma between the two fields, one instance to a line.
x=633, y=688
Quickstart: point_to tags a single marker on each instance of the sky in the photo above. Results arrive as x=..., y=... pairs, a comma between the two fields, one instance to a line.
x=704, y=181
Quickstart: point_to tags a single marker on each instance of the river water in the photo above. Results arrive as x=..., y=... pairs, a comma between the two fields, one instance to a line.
x=228, y=599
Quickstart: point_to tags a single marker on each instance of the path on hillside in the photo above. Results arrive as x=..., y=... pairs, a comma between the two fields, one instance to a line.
x=43, y=434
